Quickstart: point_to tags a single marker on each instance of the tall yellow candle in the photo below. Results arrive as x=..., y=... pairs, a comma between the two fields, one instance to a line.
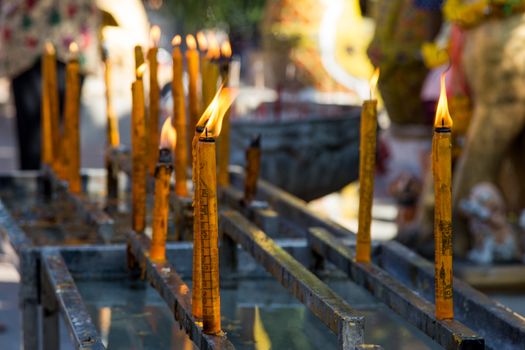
x=203, y=47
x=212, y=69
x=47, y=136
x=367, y=156
x=223, y=142
x=138, y=152
x=253, y=165
x=152, y=125
x=179, y=116
x=162, y=192
x=52, y=92
x=112, y=131
x=204, y=253
x=192, y=64
x=442, y=171
x=71, y=122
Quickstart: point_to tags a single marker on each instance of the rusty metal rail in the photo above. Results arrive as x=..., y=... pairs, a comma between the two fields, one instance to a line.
x=450, y=334
x=333, y=311
x=60, y=295
x=89, y=212
x=177, y=295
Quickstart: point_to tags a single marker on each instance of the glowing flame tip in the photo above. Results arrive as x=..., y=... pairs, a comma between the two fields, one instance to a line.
x=203, y=43
x=140, y=70
x=73, y=48
x=168, y=135
x=213, y=116
x=176, y=41
x=154, y=35
x=226, y=49
x=49, y=48
x=443, y=119
x=373, y=82
x=190, y=42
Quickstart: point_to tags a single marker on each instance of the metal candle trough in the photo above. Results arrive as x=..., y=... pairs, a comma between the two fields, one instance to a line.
x=301, y=250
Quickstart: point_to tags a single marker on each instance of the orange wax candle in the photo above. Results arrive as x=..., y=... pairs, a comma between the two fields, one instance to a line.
x=212, y=69
x=71, y=148
x=203, y=47
x=112, y=132
x=52, y=91
x=47, y=136
x=162, y=192
x=223, y=142
x=367, y=150
x=192, y=62
x=442, y=171
x=179, y=115
x=253, y=165
x=203, y=241
x=138, y=151
x=152, y=125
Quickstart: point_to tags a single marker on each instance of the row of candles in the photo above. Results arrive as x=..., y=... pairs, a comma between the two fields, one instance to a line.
x=61, y=152
x=442, y=174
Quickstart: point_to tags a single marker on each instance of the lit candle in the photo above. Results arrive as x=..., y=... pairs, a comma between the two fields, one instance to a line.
x=138, y=151
x=192, y=62
x=212, y=69
x=223, y=142
x=71, y=147
x=253, y=165
x=206, y=202
x=163, y=171
x=139, y=56
x=203, y=47
x=442, y=171
x=47, y=136
x=179, y=120
x=367, y=161
x=152, y=125
x=196, y=291
x=112, y=132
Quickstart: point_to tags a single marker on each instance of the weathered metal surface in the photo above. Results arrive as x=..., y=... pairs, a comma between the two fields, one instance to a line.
x=288, y=206
x=164, y=278
x=501, y=328
x=323, y=152
x=347, y=323
x=59, y=293
x=413, y=308
x=9, y=228
x=88, y=211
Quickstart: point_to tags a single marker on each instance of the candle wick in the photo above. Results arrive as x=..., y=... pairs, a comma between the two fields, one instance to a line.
x=206, y=130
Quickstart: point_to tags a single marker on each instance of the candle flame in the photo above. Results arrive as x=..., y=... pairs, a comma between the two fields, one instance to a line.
x=226, y=49
x=176, y=41
x=73, y=48
x=214, y=50
x=49, y=48
x=373, y=82
x=140, y=70
x=443, y=119
x=168, y=135
x=203, y=43
x=154, y=35
x=190, y=42
x=212, y=117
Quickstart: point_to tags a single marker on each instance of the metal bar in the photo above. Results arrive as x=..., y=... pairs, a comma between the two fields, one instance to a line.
x=59, y=292
x=164, y=278
x=304, y=285
x=501, y=328
x=10, y=229
x=450, y=334
x=291, y=207
x=90, y=213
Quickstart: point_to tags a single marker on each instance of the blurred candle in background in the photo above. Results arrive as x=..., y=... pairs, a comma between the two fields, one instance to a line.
x=152, y=125
x=179, y=120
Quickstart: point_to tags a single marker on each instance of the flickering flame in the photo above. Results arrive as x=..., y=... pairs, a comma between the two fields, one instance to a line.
x=215, y=112
x=154, y=35
x=214, y=50
x=373, y=82
x=190, y=42
x=168, y=135
x=49, y=48
x=176, y=41
x=140, y=71
x=203, y=43
x=73, y=48
x=226, y=49
x=443, y=119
